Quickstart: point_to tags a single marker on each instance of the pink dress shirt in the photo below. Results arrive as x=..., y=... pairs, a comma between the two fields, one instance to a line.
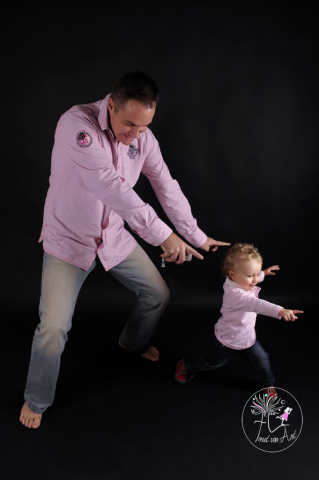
x=91, y=192
x=236, y=327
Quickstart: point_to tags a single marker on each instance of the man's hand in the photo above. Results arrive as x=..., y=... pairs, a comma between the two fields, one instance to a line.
x=210, y=242
x=175, y=250
x=269, y=270
x=289, y=315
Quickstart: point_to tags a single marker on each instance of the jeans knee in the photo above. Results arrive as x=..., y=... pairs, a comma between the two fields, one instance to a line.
x=164, y=296
x=158, y=298
x=51, y=338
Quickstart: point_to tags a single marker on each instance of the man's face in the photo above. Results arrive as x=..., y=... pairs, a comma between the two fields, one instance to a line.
x=131, y=119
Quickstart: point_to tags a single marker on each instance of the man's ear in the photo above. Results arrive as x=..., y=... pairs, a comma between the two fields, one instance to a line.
x=231, y=274
x=110, y=105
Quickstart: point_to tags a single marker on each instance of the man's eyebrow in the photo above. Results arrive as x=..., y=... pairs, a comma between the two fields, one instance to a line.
x=133, y=124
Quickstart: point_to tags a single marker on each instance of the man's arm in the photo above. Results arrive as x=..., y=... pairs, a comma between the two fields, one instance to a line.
x=175, y=249
x=210, y=242
x=176, y=207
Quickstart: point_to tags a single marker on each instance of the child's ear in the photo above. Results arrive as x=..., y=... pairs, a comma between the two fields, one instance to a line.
x=231, y=274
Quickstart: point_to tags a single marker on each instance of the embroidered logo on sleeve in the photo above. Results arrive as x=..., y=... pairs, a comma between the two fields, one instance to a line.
x=133, y=151
x=83, y=139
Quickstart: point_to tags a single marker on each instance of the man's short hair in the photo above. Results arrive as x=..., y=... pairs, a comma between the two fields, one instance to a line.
x=135, y=85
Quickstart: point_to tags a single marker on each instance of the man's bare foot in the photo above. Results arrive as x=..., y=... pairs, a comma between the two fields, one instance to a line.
x=30, y=419
x=151, y=353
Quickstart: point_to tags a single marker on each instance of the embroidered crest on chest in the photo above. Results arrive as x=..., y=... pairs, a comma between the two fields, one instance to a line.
x=133, y=151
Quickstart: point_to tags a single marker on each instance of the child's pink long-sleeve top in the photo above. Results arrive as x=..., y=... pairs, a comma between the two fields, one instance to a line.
x=236, y=327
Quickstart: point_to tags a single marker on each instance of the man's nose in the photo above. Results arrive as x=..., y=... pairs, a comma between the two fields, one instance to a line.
x=136, y=131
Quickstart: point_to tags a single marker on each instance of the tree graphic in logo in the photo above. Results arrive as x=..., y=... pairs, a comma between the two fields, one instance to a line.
x=267, y=407
x=265, y=421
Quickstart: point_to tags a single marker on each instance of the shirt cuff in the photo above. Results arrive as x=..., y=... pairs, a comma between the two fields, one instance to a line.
x=197, y=238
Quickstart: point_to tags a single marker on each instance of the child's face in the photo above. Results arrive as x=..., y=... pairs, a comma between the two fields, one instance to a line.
x=246, y=273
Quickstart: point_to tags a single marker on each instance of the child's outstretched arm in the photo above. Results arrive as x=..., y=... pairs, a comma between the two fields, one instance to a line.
x=269, y=270
x=289, y=315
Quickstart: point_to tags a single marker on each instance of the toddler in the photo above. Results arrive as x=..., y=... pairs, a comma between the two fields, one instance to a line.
x=235, y=330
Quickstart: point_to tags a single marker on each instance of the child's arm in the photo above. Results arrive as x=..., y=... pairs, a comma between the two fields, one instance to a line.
x=289, y=315
x=269, y=270
x=286, y=314
x=240, y=301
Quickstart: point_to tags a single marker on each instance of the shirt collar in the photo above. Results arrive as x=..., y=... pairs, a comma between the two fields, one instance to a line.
x=103, y=115
x=231, y=283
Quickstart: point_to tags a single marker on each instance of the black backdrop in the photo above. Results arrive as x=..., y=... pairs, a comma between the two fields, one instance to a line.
x=237, y=124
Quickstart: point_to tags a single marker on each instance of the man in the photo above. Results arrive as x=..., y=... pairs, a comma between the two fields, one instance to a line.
x=99, y=151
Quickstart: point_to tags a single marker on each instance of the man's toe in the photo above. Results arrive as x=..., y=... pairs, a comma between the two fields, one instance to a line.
x=36, y=423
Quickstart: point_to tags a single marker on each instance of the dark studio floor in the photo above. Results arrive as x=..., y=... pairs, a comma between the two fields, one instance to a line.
x=118, y=416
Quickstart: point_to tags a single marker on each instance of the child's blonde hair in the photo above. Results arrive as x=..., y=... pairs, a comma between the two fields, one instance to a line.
x=239, y=251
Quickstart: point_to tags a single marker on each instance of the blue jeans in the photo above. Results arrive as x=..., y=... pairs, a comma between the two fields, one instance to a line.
x=220, y=355
x=61, y=284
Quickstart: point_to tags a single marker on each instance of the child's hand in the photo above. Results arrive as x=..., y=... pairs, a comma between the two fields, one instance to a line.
x=289, y=315
x=269, y=270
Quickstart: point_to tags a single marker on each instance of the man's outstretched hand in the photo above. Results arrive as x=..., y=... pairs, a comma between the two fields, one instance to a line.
x=210, y=242
x=175, y=249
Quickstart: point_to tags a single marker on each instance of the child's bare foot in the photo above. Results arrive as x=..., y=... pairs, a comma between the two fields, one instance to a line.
x=30, y=419
x=151, y=353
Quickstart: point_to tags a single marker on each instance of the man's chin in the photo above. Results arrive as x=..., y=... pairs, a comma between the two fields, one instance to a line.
x=126, y=141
